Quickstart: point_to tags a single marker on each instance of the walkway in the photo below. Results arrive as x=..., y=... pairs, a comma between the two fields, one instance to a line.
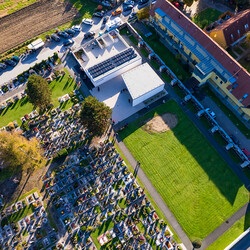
x=157, y=198
x=225, y=226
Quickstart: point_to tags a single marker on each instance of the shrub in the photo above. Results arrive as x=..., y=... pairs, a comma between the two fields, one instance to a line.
x=196, y=243
x=62, y=153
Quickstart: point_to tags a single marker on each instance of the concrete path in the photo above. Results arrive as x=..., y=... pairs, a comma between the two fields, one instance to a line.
x=157, y=198
x=224, y=226
x=226, y=123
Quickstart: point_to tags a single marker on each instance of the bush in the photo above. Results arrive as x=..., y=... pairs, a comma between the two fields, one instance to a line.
x=196, y=243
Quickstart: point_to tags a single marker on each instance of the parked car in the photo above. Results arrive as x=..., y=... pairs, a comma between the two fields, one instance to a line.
x=3, y=66
x=68, y=42
x=211, y=113
x=129, y=2
x=178, y=5
x=76, y=28
x=99, y=14
x=89, y=34
x=246, y=153
x=235, y=139
x=141, y=2
x=128, y=7
x=15, y=58
x=70, y=32
x=10, y=62
x=132, y=15
x=116, y=12
x=105, y=19
x=63, y=34
x=87, y=21
x=55, y=37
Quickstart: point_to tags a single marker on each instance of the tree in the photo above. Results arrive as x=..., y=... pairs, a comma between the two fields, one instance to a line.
x=18, y=152
x=38, y=91
x=95, y=115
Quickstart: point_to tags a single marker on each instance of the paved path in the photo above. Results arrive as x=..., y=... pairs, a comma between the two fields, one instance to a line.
x=157, y=198
x=226, y=123
x=224, y=226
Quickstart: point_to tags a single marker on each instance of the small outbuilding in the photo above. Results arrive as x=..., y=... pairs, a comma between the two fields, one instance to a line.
x=142, y=83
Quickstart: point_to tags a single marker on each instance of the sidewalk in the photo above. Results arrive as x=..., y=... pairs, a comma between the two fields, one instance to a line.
x=157, y=198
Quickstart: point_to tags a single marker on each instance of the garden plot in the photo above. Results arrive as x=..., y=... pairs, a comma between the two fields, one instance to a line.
x=100, y=203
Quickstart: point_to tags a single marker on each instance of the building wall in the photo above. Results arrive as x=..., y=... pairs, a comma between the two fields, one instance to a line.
x=147, y=95
x=220, y=88
x=218, y=37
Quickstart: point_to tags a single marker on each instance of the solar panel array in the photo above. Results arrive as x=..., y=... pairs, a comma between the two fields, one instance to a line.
x=112, y=63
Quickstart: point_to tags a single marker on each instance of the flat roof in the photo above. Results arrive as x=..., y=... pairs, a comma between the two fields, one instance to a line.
x=141, y=80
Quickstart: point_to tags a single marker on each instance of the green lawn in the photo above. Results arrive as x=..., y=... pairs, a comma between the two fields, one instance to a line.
x=59, y=88
x=107, y=225
x=122, y=203
x=194, y=181
x=166, y=55
x=227, y=112
x=29, y=209
x=232, y=233
x=206, y=17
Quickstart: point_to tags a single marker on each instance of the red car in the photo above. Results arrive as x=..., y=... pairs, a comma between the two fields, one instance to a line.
x=246, y=153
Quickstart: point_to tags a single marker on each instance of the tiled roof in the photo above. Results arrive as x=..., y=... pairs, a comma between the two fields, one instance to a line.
x=233, y=67
x=235, y=27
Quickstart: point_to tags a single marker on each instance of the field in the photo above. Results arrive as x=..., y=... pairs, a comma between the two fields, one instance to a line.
x=33, y=20
x=59, y=88
x=194, y=181
x=9, y=6
x=232, y=233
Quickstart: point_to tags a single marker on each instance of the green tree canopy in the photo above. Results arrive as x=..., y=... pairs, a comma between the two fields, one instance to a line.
x=95, y=115
x=18, y=152
x=38, y=91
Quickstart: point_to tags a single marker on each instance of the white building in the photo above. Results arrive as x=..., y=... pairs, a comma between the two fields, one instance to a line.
x=142, y=83
x=106, y=57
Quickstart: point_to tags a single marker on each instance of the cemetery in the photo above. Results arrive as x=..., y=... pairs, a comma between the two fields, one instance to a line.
x=25, y=224
x=100, y=203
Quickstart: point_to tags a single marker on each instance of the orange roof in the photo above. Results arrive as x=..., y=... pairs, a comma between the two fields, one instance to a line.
x=232, y=66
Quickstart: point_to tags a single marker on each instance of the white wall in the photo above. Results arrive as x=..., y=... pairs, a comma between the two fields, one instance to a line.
x=147, y=95
x=127, y=66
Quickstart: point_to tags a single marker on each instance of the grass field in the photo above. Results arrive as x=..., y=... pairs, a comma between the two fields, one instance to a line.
x=206, y=17
x=59, y=88
x=166, y=55
x=194, y=181
x=232, y=233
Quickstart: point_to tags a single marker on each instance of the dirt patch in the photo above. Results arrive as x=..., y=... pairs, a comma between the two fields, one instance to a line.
x=161, y=123
x=34, y=20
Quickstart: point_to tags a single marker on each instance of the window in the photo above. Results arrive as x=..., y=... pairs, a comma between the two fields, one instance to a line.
x=216, y=77
x=232, y=36
x=238, y=32
x=235, y=85
x=244, y=97
x=246, y=26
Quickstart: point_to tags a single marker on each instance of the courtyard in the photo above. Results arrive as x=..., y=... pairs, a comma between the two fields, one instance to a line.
x=194, y=181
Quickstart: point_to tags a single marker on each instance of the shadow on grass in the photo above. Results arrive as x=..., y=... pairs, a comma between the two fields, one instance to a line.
x=189, y=136
x=247, y=218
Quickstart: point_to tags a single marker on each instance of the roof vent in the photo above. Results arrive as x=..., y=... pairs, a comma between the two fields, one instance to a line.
x=179, y=16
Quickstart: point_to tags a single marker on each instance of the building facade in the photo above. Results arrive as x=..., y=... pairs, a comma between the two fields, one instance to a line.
x=211, y=64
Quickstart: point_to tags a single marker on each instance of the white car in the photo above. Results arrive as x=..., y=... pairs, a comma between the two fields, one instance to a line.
x=76, y=28
x=210, y=112
x=87, y=21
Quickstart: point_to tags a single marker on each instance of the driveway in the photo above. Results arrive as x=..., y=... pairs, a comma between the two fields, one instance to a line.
x=226, y=123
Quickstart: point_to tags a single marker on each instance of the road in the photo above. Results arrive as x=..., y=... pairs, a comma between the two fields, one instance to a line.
x=51, y=47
